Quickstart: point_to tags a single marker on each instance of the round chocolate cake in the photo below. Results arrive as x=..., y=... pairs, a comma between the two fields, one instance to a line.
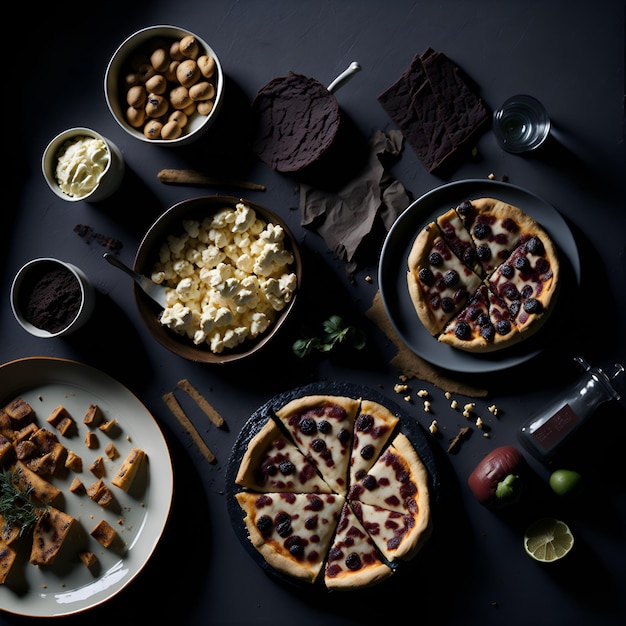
x=296, y=120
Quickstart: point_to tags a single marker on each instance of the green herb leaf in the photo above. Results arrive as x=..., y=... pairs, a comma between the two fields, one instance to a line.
x=15, y=505
x=335, y=331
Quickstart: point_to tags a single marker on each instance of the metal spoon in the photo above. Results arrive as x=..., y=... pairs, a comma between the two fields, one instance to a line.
x=152, y=289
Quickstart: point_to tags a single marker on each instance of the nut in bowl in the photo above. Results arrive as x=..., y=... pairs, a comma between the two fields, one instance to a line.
x=81, y=164
x=233, y=270
x=164, y=85
x=51, y=298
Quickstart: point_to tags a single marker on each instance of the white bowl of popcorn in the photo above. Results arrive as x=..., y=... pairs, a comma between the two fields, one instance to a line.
x=164, y=85
x=233, y=271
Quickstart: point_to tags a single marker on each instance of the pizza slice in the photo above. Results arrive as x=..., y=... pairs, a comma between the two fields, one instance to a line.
x=439, y=283
x=397, y=481
x=322, y=428
x=497, y=228
x=372, y=428
x=459, y=240
x=528, y=283
x=292, y=531
x=484, y=325
x=353, y=560
x=273, y=463
x=399, y=536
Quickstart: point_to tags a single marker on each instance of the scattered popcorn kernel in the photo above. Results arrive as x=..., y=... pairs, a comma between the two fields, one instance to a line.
x=426, y=406
x=448, y=395
x=368, y=279
x=466, y=414
x=469, y=406
x=422, y=393
x=454, y=404
x=486, y=435
x=407, y=398
x=433, y=427
x=493, y=409
x=491, y=176
x=400, y=388
x=479, y=422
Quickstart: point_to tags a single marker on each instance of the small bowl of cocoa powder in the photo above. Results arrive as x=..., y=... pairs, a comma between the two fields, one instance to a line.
x=51, y=298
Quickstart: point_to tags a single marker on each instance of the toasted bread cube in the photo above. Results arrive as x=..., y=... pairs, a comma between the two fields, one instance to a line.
x=26, y=479
x=109, y=426
x=126, y=473
x=8, y=532
x=25, y=433
x=97, y=467
x=20, y=411
x=6, y=428
x=100, y=493
x=48, y=462
x=73, y=462
x=61, y=420
x=44, y=439
x=104, y=533
x=88, y=558
x=48, y=536
x=91, y=441
x=25, y=449
x=93, y=415
x=76, y=485
x=111, y=451
x=7, y=558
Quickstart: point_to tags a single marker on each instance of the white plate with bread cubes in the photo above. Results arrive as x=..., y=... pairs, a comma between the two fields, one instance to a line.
x=98, y=477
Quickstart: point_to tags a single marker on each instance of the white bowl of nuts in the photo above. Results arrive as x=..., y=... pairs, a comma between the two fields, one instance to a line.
x=164, y=85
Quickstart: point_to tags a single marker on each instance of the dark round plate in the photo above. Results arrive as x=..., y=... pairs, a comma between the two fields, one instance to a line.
x=394, y=264
x=409, y=426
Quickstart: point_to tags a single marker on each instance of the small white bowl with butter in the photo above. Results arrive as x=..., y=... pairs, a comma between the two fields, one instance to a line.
x=81, y=164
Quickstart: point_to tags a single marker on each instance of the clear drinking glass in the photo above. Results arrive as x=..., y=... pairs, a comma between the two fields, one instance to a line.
x=521, y=124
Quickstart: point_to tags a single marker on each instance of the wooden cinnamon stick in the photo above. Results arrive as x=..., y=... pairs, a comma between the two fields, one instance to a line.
x=201, y=401
x=194, y=177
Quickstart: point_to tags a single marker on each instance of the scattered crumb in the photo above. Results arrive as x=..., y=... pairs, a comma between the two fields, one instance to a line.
x=422, y=393
x=426, y=406
x=491, y=176
x=479, y=422
x=493, y=409
x=401, y=388
x=433, y=427
x=448, y=395
x=454, y=404
x=368, y=279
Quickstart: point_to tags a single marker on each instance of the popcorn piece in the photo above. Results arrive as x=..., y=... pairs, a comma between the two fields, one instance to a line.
x=433, y=427
x=493, y=409
x=454, y=404
x=400, y=388
x=426, y=406
x=422, y=393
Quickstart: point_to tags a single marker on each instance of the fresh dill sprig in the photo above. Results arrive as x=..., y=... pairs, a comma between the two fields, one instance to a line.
x=15, y=505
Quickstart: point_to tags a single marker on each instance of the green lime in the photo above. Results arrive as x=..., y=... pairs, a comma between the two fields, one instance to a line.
x=564, y=481
x=548, y=540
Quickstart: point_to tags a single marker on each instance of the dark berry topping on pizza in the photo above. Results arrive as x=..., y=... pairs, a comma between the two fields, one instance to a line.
x=318, y=445
x=507, y=271
x=344, y=436
x=447, y=305
x=503, y=327
x=482, y=230
x=484, y=252
x=483, y=320
x=359, y=474
x=469, y=256
x=315, y=503
x=463, y=330
x=287, y=468
x=510, y=225
x=270, y=469
x=364, y=422
x=370, y=482
x=353, y=561
x=311, y=523
x=488, y=332
x=265, y=525
x=426, y=276
x=367, y=452
x=543, y=267
x=532, y=305
x=511, y=292
x=435, y=259
x=465, y=208
x=450, y=278
x=295, y=547
x=535, y=246
x=324, y=427
x=514, y=307
x=522, y=264
x=307, y=425
x=283, y=524
x=527, y=291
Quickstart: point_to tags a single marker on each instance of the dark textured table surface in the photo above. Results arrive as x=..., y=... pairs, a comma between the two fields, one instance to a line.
x=570, y=55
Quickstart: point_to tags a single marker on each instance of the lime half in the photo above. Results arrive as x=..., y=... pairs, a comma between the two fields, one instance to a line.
x=548, y=540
